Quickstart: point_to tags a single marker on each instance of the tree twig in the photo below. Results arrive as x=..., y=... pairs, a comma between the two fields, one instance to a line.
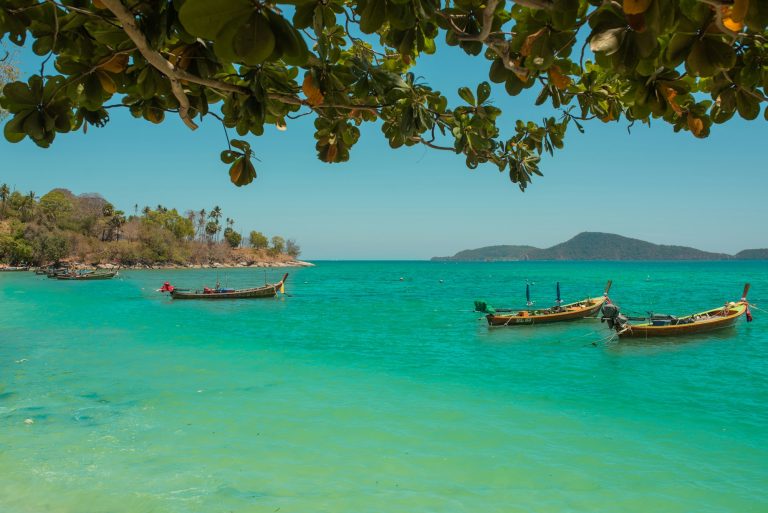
x=431, y=145
x=754, y=94
x=535, y=4
x=485, y=31
x=226, y=134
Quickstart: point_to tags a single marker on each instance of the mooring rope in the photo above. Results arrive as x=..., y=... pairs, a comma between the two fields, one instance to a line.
x=606, y=340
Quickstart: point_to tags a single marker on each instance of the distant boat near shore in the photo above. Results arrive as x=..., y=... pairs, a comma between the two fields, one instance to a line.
x=85, y=276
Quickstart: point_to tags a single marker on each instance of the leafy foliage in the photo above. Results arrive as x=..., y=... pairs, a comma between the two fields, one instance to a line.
x=87, y=227
x=292, y=248
x=258, y=240
x=278, y=245
x=232, y=237
x=689, y=63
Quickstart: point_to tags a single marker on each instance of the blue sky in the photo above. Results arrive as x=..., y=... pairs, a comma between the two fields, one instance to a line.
x=416, y=203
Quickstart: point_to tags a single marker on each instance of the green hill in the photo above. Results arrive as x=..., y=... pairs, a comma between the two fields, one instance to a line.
x=591, y=246
x=752, y=254
x=493, y=254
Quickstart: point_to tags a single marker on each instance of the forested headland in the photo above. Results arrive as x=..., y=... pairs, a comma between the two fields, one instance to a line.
x=87, y=228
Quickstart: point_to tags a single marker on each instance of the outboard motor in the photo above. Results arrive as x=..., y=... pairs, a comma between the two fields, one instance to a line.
x=616, y=320
x=483, y=307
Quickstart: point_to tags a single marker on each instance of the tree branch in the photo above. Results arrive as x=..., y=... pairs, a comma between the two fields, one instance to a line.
x=500, y=48
x=433, y=146
x=490, y=8
x=535, y=4
x=754, y=94
x=153, y=57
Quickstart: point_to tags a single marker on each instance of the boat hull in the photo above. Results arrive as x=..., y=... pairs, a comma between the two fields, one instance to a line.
x=266, y=291
x=88, y=277
x=574, y=311
x=715, y=322
x=262, y=292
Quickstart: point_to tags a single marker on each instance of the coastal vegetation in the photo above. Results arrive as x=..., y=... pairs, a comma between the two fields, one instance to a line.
x=88, y=228
x=689, y=64
x=598, y=246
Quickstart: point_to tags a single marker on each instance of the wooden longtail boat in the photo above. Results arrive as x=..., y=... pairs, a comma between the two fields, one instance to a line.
x=269, y=290
x=671, y=326
x=87, y=276
x=13, y=269
x=570, y=312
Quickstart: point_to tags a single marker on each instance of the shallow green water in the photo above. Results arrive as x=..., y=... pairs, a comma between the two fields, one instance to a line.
x=364, y=393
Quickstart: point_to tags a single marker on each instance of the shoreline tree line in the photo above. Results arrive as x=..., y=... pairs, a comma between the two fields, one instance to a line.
x=87, y=228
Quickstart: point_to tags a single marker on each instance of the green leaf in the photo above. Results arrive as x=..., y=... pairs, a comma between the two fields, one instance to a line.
x=242, y=172
x=254, y=40
x=709, y=56
x=241, y=145
x=20, y=93
x=288, y=40
x=724, y=107
x=542, y=53
x=514, y=85
x=229, y=156
x=302, y=18
x=206, y=18
x=498, y=73
x=747, y=105
x=678, y=48
x=372, y=16
x=483, y=92
x=757, y=16
x=467, y=95
x=13, y=130
x=564, y=14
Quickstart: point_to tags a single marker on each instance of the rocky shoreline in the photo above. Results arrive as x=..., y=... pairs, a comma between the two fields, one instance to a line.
x=214, y=265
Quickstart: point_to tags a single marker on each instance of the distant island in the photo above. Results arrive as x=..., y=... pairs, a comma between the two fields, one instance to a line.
x=87, y=229
x=597, y=246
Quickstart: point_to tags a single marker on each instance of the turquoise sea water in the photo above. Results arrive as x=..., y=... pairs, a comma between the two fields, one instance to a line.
x=364, y=393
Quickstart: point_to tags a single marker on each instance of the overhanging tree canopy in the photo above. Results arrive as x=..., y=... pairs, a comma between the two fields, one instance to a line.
x=248, y=63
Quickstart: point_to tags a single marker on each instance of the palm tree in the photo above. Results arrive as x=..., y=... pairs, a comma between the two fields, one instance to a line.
x=4, y=193
x=211, y=229
x=146, y=211
x=215, y=215
x=115, y=223
x=201, y=223
x=26, y=206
